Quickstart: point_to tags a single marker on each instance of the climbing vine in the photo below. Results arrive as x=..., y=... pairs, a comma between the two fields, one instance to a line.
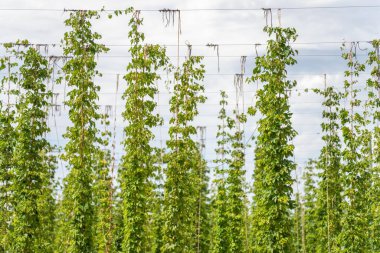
x=138, y=164
x=220, y=219
x=329, y=200
x=33, y=167
x=202, y=224
x=160, y=201
x=309, y=201
x=103, y=186
x=373, y=84
x=80, y=43
x=356, y=158
x=179, y=201
x=273, y=153
x=7, y=137
x=235, y=182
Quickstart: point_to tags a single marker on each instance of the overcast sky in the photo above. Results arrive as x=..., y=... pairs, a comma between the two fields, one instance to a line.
x=217, y=27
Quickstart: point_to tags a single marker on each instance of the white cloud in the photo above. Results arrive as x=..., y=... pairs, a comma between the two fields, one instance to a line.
x=218, y=27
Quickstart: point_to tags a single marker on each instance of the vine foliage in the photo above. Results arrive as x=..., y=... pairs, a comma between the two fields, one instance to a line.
x=80, y=43
x=356, y=161
x=138, y=163
x=329, y=199
x=7, y=143
x=220, y=218
x=180, y=204
x=273, y=163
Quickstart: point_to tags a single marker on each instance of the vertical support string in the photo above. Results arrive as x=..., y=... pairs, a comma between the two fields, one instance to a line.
x=114, y=128
x=202, y=133
x=9, y=83
x=168, y=16
x=279, y=17
x=327, y=163
x=178, y=34
x=268, y=16
x=216, y=48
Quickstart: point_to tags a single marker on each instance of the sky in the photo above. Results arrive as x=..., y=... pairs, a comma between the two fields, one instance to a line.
x=235, y=32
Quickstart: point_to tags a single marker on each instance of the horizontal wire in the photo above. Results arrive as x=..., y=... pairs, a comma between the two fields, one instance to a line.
x=284, y=8
x=307, y=90
x=230, y=56
x=230, y=44
x=246, y=75
x=200, y=45
x=167, y=105
x=167, y=126
x=233, y=74
x=199, y=9
x=211, y=56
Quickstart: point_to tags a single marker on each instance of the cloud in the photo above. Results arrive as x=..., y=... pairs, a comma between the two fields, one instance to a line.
x=200, y=28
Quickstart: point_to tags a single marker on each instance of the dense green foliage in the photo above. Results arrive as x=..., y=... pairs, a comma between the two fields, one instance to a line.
x=168, y=198
x=32, y=167
x=329, y=166
x=104, y=197
x=311, y=219
x=7, y=137
x=356, y=156
x=220, y=219
x=235, y=185
x=27, y=168
x=230, y=233
x=202, y=226
x=138, y=164
x=180, y=202
x=82, y=149
x=373, y=84
x=273, y=155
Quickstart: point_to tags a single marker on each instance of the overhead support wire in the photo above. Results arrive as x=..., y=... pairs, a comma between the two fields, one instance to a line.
x=201, y=9
x=206, y=44
x=220, y=56
x=228, y=56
